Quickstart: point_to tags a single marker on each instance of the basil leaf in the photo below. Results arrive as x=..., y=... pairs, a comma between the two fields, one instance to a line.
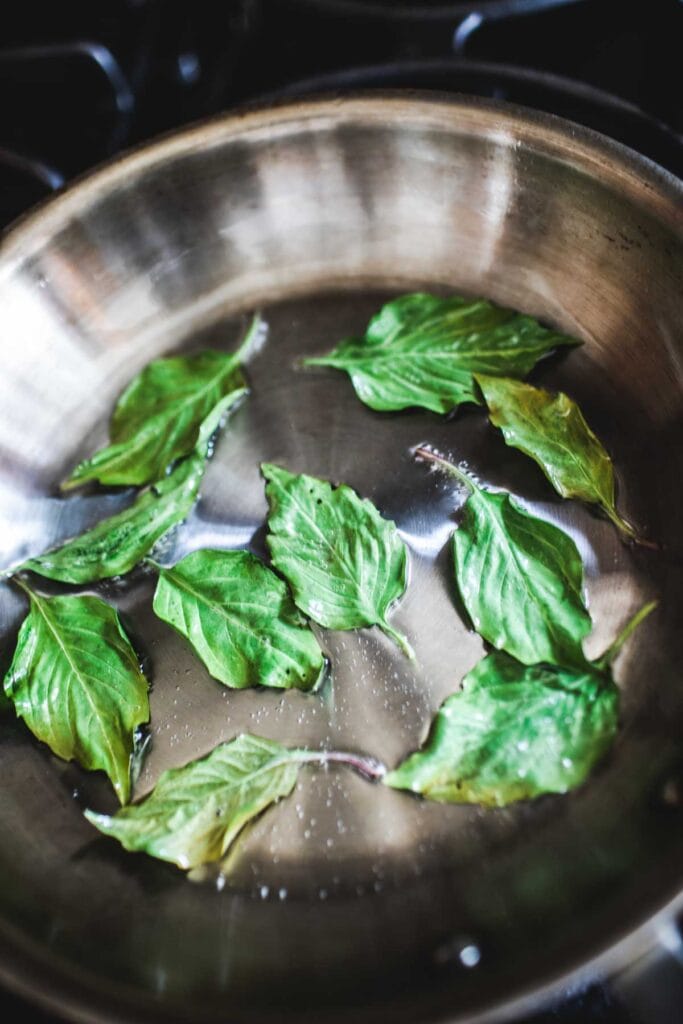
x=514, y=732
x=240, y=620
x=421, y=350
x=76, y=682
x=115, y=545
x=346, y=565
x=158, y=417
x=520, y=578
x=196, y=812
x=551, y=429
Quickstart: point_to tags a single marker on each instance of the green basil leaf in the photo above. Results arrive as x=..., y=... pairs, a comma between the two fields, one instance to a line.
x=196, y=812
x=76, y=682
x=240, y=620
x=514, y=732
x=551, y=429
x=520, y=578
x=158, y=418
x=117, y=544
x=346, y=565
x=421, y=350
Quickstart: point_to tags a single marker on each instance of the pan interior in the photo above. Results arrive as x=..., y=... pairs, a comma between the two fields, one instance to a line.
x=346, y=878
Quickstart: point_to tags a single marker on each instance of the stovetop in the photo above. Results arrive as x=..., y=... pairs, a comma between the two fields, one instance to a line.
x=80, y=81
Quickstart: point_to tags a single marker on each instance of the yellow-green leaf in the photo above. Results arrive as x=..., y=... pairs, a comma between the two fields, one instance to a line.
x=196, y=812
x=552, y=430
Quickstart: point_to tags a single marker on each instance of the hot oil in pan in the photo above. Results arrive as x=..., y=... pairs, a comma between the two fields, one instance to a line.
x=338, y=833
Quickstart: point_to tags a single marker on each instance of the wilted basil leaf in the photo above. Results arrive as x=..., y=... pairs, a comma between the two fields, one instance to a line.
x=551, y=429
x=240, y=619
x=421, y=350
x=77, y=684
x=158, y=417
x=346, y=565
x=520, y=578
x=516, y=731
x=195, y=813
x=115, y=545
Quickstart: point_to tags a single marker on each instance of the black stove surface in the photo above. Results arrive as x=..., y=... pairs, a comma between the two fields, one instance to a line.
x=80, y=81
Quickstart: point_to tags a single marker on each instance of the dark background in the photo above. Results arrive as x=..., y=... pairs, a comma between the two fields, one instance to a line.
x=81, y=80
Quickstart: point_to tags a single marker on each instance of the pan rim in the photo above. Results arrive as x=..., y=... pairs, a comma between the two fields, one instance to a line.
x=611, y=162
x=84, y=999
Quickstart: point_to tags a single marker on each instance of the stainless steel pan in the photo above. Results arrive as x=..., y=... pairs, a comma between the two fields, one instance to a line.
x=347, y=900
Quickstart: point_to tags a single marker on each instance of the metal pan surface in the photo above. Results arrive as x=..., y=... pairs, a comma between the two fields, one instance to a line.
x=347, y=898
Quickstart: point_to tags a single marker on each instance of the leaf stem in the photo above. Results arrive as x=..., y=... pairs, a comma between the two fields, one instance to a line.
x=22, y=586
x=152, y=564
x=369, y=767
x=255, y=330
x=629, y=532
x=615, y=647
x=320, y=361
x=399, y=639
x=422, y=452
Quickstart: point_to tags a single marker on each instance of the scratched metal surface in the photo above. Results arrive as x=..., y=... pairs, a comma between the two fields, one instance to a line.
x=346, y=897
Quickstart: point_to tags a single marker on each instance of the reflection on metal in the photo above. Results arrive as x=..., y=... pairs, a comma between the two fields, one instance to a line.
x=97, y=53
x=465, y=29
x=48, y=176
